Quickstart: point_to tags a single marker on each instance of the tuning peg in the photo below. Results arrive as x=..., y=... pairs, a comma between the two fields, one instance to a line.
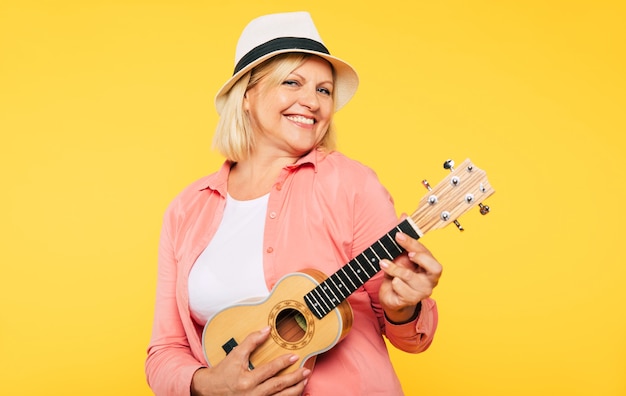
x=449, y=164
x=458, y=225
x=426, y=184
x=484, y=209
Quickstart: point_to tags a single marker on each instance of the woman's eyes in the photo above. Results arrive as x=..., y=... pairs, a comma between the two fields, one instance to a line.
x=325, y=91
x=295, y=83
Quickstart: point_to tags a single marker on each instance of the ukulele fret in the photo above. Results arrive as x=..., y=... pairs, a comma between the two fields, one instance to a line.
x=407, y=229
x=313, y=305
x=327, y=306
x=368, y=269
x=379, y=252
x=327, y=286
x=382, y=245
x=343, y=271
x=390, y=245
x=316, y=303
x=339, y=287
x=372, y=259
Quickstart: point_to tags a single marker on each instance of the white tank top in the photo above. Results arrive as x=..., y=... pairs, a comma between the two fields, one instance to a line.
x=230, y=269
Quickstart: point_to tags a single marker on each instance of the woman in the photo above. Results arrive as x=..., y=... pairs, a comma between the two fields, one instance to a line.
x=284, y=200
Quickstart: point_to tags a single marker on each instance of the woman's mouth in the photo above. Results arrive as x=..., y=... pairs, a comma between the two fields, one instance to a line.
x=301, y=119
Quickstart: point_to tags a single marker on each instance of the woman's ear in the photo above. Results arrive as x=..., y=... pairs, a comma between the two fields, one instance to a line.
x=245, y=104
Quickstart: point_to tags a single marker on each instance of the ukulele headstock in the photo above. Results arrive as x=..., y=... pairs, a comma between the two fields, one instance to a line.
x=463, y=189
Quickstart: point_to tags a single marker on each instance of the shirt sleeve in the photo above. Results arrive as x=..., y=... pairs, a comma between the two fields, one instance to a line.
x=170, y=364
x=375, y=216
x=417, y=335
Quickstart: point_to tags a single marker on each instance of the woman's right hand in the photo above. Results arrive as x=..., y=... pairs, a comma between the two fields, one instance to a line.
x=232, y=376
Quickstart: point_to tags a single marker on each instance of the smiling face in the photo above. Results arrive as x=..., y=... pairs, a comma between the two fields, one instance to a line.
x=290, y=118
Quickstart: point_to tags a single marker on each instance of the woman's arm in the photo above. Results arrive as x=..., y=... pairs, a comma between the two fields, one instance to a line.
x=374, y=216
x=171, y=367
x=170, y=364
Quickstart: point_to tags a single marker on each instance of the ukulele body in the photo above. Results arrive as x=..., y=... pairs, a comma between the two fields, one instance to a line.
x=293, y=327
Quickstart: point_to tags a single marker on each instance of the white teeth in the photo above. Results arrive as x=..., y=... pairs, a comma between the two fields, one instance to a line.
x=301, y=120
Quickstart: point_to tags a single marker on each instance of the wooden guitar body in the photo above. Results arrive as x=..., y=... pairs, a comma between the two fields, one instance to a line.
x=294, y=328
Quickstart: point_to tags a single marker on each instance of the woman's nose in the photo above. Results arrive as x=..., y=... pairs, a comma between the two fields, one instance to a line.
x=309, y=99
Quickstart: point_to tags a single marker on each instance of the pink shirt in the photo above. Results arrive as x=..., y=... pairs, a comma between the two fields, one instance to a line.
x=322, y=211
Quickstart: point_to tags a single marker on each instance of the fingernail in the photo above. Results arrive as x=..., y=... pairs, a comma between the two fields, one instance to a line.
x=293, y=358
x=306, y=372
x=400, y=236
x=384, y=264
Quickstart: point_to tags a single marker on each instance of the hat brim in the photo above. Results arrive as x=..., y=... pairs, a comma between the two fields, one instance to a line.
x=346, y=78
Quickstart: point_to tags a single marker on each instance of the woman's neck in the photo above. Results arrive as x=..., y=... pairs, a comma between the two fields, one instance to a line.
x=255, y=176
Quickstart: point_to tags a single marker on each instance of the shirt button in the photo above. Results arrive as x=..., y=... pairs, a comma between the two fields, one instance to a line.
x=272, y=215
x=270, y=249
x=279, y=186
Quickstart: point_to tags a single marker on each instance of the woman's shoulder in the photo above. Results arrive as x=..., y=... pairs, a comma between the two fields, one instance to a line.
x=336, y=162
x=200, y=189
x=337, y=172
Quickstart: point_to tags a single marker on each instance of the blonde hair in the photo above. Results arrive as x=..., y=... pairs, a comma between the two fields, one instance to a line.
x=234, y=137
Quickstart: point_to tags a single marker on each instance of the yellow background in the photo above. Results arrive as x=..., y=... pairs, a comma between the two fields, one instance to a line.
x=106, y=112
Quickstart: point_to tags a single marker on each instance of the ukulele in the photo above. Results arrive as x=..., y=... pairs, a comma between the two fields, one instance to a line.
x=307, y=311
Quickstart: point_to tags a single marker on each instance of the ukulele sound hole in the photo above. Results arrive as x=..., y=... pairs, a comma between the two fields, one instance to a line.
x=291, y=325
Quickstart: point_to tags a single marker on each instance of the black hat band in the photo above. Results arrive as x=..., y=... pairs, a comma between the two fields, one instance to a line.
x=278, y=44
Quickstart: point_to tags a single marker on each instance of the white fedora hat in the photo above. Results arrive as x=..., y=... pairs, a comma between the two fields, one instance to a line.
x=274, y=34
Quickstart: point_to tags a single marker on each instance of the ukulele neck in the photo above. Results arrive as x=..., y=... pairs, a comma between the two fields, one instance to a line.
x=334, y=290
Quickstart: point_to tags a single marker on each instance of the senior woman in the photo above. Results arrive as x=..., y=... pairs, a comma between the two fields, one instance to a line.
x=284, y=200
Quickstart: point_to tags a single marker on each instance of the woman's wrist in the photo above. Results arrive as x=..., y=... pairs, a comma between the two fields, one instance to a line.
x=198, y=382
x=400, y=318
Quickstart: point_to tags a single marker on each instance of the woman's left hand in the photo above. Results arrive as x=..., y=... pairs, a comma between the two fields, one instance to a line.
x=409, y=279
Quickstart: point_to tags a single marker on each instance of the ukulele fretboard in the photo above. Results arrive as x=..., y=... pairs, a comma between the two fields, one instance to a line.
x=334, y=290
